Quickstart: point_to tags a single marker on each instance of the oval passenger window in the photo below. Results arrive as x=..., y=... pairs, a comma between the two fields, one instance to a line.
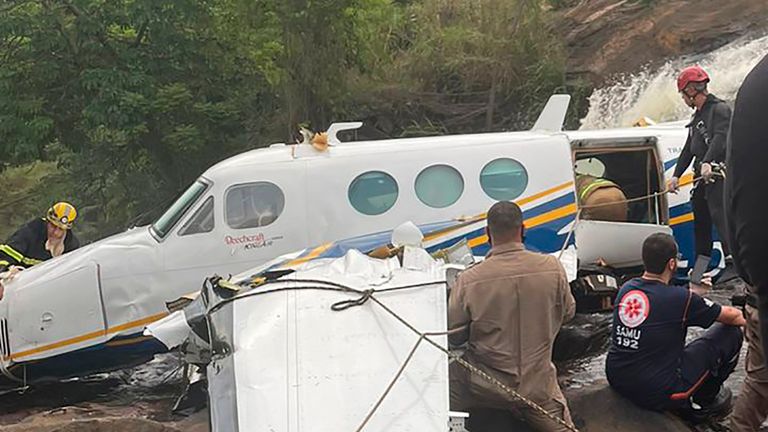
x=373, y=193
x=253, y=205
x=504, y=179
x=439, y=186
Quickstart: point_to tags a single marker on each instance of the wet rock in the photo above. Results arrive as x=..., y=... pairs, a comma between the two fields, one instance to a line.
x=140, y=399
x=98, y=418
x=594, y=408
x=584, y=335
x=197, y=422
x=599, y=408
x=608, y=37
x=94, y=425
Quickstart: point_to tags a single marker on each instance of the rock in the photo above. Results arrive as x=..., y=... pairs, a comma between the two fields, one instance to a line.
x=584, y=335
x=608, y=37
x=98, y=418
x=599, y=408
x=197, y=422
x=594, y=408
x=107, y=424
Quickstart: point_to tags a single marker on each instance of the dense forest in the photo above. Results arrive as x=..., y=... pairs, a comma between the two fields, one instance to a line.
x=117, y=105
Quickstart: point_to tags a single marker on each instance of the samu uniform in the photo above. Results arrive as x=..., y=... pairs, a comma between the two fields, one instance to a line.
x=26, y=247
x=650, y=363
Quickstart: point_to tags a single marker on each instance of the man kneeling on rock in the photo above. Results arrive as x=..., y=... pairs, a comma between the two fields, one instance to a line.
x=508, y=310
x=649, y=362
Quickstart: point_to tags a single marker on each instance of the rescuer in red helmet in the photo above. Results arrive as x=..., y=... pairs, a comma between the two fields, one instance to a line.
x=705, y=146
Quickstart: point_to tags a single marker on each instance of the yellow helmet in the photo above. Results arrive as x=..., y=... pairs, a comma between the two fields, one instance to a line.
x=62, y=214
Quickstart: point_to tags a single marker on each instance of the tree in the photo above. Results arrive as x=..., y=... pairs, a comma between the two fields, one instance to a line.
x=133, y=98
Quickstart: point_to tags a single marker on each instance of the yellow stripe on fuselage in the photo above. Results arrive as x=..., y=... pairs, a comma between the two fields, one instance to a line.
x=549, y=216
x=534, y=221
x=541, y=219
x=482, y=216
x=681, y=219
x=310, y=256
x=542, y=194
x=88, y=336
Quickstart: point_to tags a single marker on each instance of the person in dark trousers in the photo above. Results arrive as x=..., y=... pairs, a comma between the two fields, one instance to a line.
x=648, y=361
x=705, y=147
x=41, y=239
x=747, y=159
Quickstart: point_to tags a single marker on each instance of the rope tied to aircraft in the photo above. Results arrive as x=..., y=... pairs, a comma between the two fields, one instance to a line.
x=364, y=297
x=649, y=196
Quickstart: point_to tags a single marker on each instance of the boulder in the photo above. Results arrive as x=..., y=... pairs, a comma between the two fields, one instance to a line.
x=104, y=418
x=106, y=424
x=594, y=408
x=599, y=408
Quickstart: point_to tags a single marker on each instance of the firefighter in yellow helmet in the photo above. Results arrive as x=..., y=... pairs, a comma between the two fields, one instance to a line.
x=40, y=239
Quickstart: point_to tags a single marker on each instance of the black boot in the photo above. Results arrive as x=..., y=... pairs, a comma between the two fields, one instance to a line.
x=705, y=410
x=728, y=274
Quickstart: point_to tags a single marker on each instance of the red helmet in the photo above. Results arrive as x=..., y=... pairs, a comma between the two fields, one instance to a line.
x=691, y=74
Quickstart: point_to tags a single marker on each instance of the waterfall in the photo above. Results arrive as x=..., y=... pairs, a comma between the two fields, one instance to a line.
x=652, y=93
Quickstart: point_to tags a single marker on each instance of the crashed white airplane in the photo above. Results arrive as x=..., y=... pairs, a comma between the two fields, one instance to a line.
x=311, y=381
x=85, y=311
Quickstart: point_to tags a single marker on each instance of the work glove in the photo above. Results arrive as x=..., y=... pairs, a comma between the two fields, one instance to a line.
x=673, y=185
x=10, y=273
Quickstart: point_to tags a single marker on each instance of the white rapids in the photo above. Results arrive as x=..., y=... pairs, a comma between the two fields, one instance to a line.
x=652, y=93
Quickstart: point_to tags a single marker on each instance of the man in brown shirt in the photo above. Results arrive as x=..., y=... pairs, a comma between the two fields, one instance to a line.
x=512, y=305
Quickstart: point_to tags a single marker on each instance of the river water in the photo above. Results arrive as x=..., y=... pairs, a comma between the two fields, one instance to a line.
x=652, y=93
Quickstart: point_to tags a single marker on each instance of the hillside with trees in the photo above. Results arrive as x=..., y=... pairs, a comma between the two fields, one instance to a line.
x=117, y=105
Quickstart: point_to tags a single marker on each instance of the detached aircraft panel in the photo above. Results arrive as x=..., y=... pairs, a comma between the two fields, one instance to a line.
x=618, y=244
x=56, y=315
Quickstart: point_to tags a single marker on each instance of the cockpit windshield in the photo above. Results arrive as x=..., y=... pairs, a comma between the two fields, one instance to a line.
x=175, y=212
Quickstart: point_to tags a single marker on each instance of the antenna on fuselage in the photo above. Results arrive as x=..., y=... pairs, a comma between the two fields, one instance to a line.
x=338, y=127
x=553, y=115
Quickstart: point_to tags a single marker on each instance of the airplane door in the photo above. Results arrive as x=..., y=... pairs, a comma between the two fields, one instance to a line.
x=237, y=226
x=633, y=166
x=54, y=314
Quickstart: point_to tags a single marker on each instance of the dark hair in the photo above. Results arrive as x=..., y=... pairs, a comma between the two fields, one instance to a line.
x=504, y=219
x=658, y=249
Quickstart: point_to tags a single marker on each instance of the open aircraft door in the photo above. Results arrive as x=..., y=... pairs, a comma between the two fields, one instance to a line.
x=633, y=165
x=617, y=244
x=40, y=321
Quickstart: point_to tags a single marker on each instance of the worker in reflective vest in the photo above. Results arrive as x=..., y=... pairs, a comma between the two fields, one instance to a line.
x=601, y=199
x=40, y=239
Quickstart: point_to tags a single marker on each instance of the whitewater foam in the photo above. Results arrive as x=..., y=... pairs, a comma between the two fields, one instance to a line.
x=652, y=93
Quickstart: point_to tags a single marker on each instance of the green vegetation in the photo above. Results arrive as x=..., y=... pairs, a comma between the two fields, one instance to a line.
x=117, y=105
